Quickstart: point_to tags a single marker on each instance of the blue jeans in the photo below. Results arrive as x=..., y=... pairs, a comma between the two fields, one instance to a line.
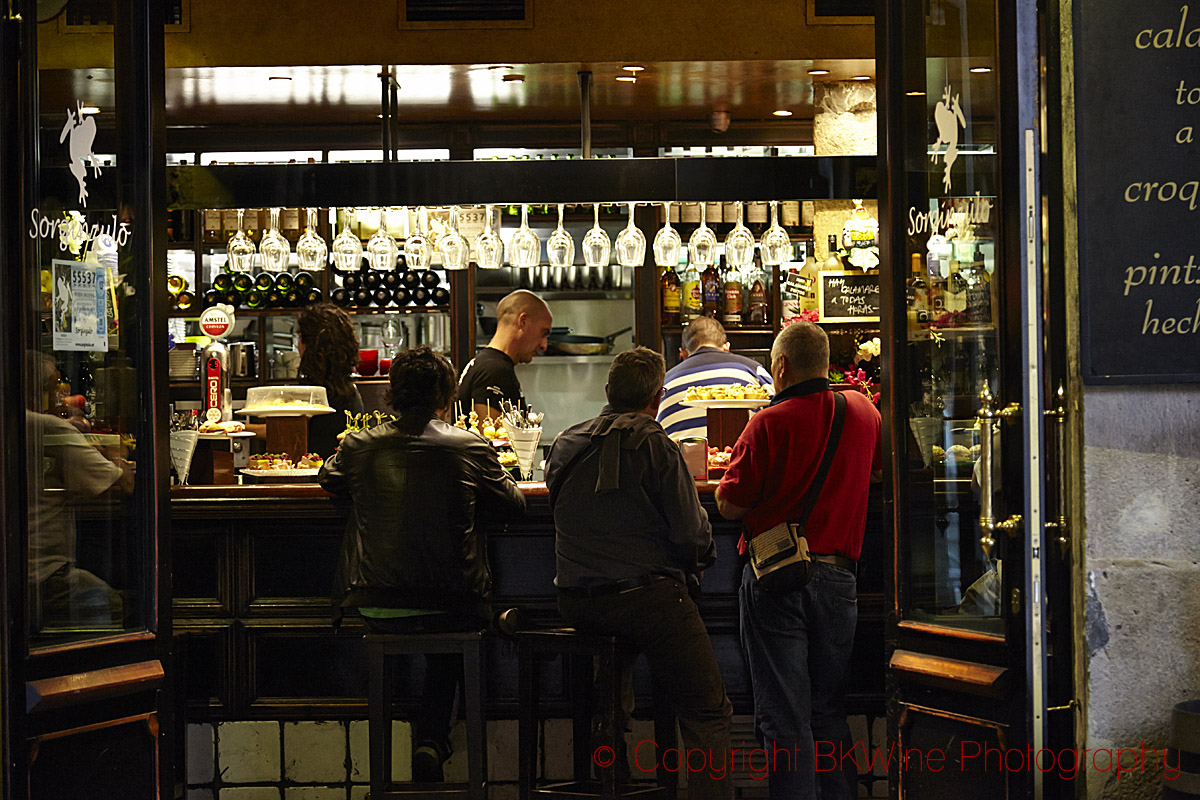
x=798, y=647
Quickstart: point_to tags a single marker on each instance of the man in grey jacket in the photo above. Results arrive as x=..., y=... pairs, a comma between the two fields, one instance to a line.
x=630, y=536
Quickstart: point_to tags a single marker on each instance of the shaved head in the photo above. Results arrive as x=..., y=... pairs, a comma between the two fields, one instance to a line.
x=517, y=303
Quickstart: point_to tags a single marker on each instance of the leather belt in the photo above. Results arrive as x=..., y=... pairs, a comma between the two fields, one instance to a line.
x=836, y=560
x=603, y=589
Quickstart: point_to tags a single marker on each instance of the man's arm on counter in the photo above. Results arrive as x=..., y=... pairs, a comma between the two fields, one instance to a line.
x=498, y=492
x=331, y=477
x=729, y=510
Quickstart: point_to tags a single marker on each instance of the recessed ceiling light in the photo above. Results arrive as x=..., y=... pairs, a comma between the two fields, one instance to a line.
x=818, y=72
x=981, y=69
x=514, y=77
x=861, y=78
x=501, y=66
x=279, y=78
x=632, y=68
x=627, y=79
x=89, y=110
x=783, y=112
x=915, y=94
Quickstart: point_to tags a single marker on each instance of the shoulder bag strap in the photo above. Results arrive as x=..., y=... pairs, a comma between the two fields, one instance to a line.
x=835, y=434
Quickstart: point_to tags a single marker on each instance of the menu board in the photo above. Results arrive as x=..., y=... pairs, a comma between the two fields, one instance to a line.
x=1137, y=79
x=848, y=296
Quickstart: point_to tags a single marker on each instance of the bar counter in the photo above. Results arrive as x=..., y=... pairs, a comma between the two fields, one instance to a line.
x=253, y=567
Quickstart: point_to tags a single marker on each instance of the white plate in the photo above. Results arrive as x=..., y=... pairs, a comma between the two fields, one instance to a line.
x=748, y=403
x=238, y=435
x=286, y=411
x=282, y=473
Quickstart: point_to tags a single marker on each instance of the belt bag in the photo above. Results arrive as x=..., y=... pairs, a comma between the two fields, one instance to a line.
x=779, y=556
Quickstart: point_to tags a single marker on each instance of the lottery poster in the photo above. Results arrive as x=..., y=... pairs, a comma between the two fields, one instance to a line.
x=78, y=305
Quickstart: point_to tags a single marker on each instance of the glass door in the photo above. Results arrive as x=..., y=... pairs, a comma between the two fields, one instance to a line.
x=965, y=647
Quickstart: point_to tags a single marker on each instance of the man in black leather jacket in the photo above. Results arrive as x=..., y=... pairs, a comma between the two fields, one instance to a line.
x=414, y=553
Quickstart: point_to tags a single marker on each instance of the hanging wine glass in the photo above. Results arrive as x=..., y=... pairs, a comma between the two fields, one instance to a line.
x=240, y=249
x=416, y=246
x=489, y=250
x=702, y=244
x=776, y=245
x=596, y=244
x=347, y=247
x=274, y=249
x=739, y=243
x=525, y=248
x=381, y=247
x=456, y=253
x=560, y=247
x=311, y=251
x=667, y=242
x=631, y=244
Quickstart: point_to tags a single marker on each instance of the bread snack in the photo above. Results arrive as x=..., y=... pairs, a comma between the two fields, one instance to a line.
x=232, y=426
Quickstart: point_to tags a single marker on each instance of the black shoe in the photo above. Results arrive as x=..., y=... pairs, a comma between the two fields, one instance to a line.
x=427, y=765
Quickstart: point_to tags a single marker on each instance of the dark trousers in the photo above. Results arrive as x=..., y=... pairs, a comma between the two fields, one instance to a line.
x=443, y=674
x=798, y=645
x=662, y=621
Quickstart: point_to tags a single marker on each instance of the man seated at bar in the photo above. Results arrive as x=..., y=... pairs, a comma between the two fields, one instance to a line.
x=798, y=642
x=629, y=537
x=523, y=323
x=414, y=553
x=705, y=360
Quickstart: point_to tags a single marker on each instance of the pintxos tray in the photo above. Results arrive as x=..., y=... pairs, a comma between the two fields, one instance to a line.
x=757, y=402
x=238, y=435
x=282, y=473
x=285, y=411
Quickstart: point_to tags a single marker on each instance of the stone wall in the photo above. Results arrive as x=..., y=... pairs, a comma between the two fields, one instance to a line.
x=1141, y=571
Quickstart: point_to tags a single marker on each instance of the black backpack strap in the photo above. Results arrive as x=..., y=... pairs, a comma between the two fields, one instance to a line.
x=835, y=434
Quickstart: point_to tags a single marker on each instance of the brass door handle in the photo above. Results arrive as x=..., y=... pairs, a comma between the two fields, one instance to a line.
x=987, y=423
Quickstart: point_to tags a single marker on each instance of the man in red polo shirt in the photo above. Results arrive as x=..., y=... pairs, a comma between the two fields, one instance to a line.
x=798, y=643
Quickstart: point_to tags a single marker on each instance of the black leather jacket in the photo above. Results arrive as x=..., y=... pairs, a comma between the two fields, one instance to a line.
x=422, y=499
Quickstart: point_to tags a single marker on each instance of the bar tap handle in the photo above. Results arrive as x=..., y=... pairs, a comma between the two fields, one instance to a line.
x=987, y=422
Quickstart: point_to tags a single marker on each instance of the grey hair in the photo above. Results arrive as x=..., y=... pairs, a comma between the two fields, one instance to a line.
x=635, y=378
x=703, y=331
x=806, y=348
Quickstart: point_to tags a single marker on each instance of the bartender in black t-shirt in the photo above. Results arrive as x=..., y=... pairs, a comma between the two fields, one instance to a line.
x=522, y=325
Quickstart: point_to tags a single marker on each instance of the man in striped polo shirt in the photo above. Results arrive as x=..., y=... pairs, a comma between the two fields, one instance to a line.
x=705, y=361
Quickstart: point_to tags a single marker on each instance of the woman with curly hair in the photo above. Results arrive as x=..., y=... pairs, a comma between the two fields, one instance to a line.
x=328, y=356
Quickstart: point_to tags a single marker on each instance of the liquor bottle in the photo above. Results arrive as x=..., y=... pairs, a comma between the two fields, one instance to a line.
x=362, y=297
x=833, y=261
x=340, y=297
x=401, y=296
x=242, y=282
x=212, y=225
x=412, y=279
x=430, y=279
x=381, y=296
x=255, y=298
x=211, y=298
x=916, y=292
x=373, y=280
x=711, y=291
x=757, y=306
x=284, y=282
x=670, y=297
x=264, y=282
x=691, y=295
x=420, y=296
x=441, y=296
x=223, y=282
x=304, y=281
x=808, y=280
x=352, y=281
x=734, y=299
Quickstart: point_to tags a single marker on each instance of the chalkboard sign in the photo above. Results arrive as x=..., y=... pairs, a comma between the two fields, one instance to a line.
x=1137, y=96
x=848, y=296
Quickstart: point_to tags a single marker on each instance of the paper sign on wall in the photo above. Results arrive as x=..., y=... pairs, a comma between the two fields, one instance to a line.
x=78, y=305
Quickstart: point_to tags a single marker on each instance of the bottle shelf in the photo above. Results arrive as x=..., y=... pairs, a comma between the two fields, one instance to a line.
x=294, y=311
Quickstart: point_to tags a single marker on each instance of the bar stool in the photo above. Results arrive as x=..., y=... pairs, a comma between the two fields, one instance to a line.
x=382, y=650
x=579, y=649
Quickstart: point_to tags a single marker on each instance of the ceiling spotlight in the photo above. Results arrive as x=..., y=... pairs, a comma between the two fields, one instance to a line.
x=861, y=78
x=981, y=69
x=514, y=77
x=501, y=66
x=89, y=110
x=783, y=112
x=914, y=94
x=818, y=72
x=632, y=68
x=627, y=78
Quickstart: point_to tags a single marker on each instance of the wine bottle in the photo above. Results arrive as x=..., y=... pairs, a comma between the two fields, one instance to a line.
x=441, y=296
x=242, y=282
x=420, y=296
x=401, y=263
x=373, y=280
x=211, y=298
x=304, y=281
x=340, y=296
x=284, y=282
x=401, y=296
x=292, y=298
x=185, y=300
x=670, y=297
x=255, y=298
x=392, y=279
x=352, y=281
x=381, y=296
x=274, y=299
x=362, y=297
x=734, y=296
x=264, y=282
x=223, y=282
x=710, y=281
x=313, y=296
x=412, y=279
x=430, y=279
x=231, y=298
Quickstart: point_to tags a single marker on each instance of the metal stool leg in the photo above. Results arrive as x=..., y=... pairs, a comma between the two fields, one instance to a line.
x=527, y=736
x=379, y=727
x=473, y=698
x=611, y=701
